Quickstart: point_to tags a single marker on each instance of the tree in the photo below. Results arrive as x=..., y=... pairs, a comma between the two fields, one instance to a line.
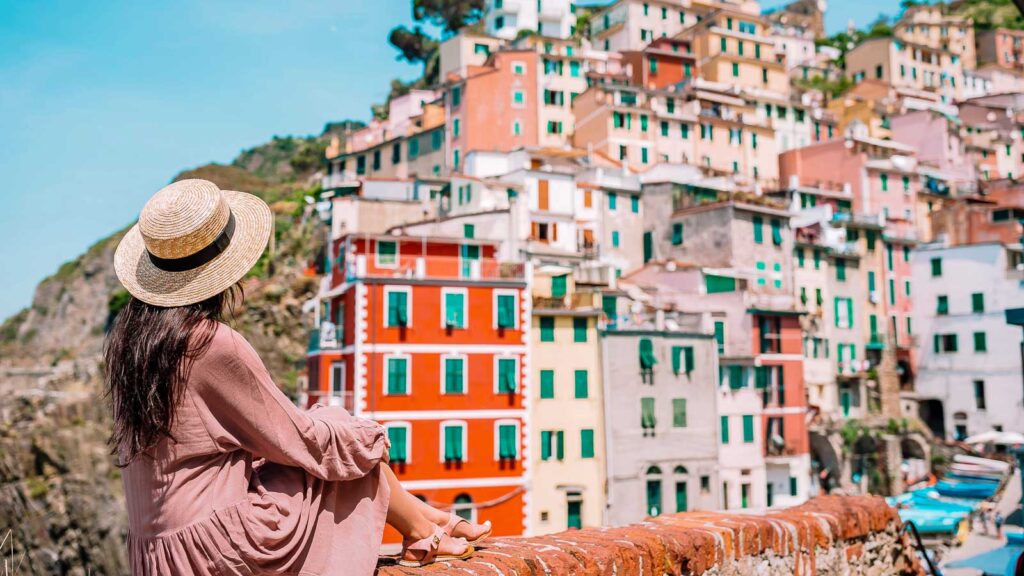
x=415, y=46
x=450, y=15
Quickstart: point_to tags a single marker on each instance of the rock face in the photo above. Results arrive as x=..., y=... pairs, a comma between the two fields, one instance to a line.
x=61, y=502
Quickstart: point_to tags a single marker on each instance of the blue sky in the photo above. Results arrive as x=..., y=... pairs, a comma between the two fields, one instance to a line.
x=102, y=103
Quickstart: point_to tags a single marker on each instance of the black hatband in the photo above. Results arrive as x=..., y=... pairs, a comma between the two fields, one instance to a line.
x=199, y=258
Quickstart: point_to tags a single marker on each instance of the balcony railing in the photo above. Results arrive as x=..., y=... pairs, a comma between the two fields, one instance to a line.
x=325, y=338
x=439, y=268
x=575, y=301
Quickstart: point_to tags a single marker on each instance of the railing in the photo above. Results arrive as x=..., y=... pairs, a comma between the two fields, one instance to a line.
x=437, y=267
x=574, y=301
x=325, y=339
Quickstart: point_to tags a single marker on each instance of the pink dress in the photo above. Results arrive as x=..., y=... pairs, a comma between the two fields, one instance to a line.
x=250, y=484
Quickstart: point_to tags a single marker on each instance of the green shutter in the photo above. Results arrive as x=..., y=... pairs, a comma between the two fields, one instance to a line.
x=762, y=377
x=677, y=359
x=647, y=419
x=736, y=377
x=688, y=363
x=936, y=266
x=720, y=336
x=453, y=443
x=871, y=280
x=386, y=252
x=840, y=270
x=679, y=412
x=681, y=505
x=648, y=247
x=507, y=448
x=397, y=376
x=558, y=285
x=980, y=343
x=453, y=382
x=455, y=313
x=654, y=497
x=758, y=232
x=677, y=233
x=506, y=375
x=647, y=359
x=586, y=443
x=397, y=437
x=547, y=329
x=977, y=302
x=776, y=231
x=398, y=309
x=748, y=428
x=547, y=383
x=716, y=284
x=579, y=329
x=506, y=311
x=725, y=429
x=608, y=306
x=942, y=305
x=582, y=384
x=634, y=201
x=560, y=445
x=545, y=445
x=792, y=485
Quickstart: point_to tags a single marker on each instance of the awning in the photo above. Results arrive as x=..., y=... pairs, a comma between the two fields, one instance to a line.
x=998, y=562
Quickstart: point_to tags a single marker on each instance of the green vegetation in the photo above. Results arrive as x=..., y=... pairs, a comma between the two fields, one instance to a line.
x=989, y=14
x=37, y=487
x=831, y=87
x=9, y=329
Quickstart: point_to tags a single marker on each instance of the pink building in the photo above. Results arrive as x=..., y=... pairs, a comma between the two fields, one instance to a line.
x=936, y=137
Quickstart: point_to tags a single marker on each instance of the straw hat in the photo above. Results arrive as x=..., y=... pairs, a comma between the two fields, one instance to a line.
x=193, y=241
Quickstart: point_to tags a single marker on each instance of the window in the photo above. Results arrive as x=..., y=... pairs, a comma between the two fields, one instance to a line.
x=647, y=358
x=552, y=443
x=942, y=305
x=579, y=329
x=647, y=419
x=758, y=230
x=664, y=128
x=376, y=159
x=615, y=238
x=559, y=285
x=453, y=438
x=455, y=128
x=518, y=99
x=506, y=311
x=979, y=394
x=397, y=375
x=574, y=69
x=906, y=184
x=586, y=443
x=517, y=128
x=337, y=378
x=398, y=437
x=547, y=383
x=508, y=440
x=817, y=259
x=776, y=231
x=634, y=204
x=644, y=158
x=748, y=428
x=720, y=336
x=454, y=375
x=582, y=384
x=980, y=343
x=682, y=359
x=518, y=68
x=684, y=131
x=844, y=312
x=507, y=376
x=840, y=270
x=454, y=309
x=978, y=303
x=652, y=66
x=436, y=138
x=398, y=307
x=936, y=267
x=613, y=201
x=885, y=182
x=945, y=343
x=725, y=429
x=547, y=329
x=735, y=69
x=679, y=412
x=456, y=96
x=387, y=254
x=653, y=491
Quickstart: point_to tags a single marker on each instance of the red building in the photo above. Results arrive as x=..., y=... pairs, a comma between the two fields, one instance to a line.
x=662, y=63
x=427, y=336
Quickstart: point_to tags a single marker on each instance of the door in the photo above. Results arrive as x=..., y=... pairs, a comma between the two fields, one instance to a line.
x=337, y=384
x=542, y=194
x=844, y=401
x=574, y=510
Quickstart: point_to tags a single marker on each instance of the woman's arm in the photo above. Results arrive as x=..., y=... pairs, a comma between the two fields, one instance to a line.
x=248, y=411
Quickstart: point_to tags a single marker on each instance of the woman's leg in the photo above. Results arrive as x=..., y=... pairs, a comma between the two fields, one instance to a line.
x=404, y=511
x=463, y=530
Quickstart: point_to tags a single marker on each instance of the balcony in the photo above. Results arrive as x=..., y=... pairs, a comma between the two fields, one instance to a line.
x=575, y=301
x=439, y=268
x=327, y=337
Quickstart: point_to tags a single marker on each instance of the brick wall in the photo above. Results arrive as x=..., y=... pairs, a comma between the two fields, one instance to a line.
x=827, y=535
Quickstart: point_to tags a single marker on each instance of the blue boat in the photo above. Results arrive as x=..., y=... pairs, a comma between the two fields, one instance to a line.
x=965, y=489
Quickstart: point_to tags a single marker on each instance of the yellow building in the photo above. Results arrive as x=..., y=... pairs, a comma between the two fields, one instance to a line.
x=931, y=26
x=567, y=448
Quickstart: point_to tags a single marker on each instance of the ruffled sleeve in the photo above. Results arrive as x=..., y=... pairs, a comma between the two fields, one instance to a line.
x=244, y=409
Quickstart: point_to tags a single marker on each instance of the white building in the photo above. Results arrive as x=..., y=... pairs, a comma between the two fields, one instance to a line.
x=969, y=367
x=506, y=18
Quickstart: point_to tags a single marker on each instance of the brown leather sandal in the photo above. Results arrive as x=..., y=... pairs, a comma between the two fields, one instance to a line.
x=454, y=520
x=429, y=547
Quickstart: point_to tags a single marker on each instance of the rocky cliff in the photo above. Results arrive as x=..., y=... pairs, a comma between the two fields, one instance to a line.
x=61, y=505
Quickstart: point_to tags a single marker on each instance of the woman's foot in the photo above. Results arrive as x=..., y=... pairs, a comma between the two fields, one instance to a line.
x=458, y=527
x=436, y=547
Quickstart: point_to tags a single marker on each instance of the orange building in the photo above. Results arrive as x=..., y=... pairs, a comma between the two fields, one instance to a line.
x=662, y=63
x=428, y=337
x=494, y=107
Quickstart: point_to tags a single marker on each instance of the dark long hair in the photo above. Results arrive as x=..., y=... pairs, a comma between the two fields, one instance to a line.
x=149, y=353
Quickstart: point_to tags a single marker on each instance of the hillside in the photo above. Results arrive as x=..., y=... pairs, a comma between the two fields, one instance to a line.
x=60, y=494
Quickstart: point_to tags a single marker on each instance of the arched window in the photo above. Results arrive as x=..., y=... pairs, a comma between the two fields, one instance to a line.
x=463, y=507
x=654, y=507
x=680, y=471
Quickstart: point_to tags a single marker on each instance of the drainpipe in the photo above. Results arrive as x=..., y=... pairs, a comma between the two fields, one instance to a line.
x=606, y=392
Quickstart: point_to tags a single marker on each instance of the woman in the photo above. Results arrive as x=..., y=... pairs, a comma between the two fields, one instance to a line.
x=222, y=474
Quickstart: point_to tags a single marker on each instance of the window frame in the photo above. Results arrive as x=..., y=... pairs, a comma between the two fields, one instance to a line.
x=442, y=389
x=515, y=309
x=497, y=438
x=407, y=426
x=376, y=253
x=496, y=373
x=444, y=307
x=407, y=290
x=408, y=366
x=443, y=439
